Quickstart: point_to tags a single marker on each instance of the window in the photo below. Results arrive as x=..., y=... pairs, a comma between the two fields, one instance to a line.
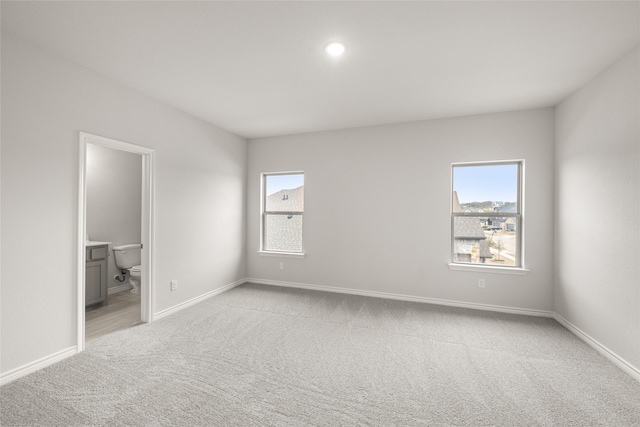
x=282, y=212
x=486, y=214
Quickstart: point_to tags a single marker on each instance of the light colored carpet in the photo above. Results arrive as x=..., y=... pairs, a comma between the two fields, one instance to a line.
x=268, y=356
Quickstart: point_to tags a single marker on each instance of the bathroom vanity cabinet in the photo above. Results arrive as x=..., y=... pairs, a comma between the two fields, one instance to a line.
x=95, y=279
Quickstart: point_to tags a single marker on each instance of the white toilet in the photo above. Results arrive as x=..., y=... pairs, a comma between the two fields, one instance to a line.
x=128, y=258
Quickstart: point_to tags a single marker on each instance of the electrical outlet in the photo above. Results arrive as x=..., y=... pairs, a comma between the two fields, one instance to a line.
x=282, y=266
x=174, y=285
x=481, y=283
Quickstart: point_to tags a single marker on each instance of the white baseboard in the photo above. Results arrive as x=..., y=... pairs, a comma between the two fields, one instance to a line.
x=617, y=360
x=196, y=300
x=613, y=357
x=119, y=288
x=29, y=368
x=21, y=371
x=401, y=297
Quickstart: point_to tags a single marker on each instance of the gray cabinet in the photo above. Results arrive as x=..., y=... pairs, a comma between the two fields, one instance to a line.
x=95, y=279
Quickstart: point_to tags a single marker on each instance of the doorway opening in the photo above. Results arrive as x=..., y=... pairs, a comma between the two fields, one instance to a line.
x=124, y=222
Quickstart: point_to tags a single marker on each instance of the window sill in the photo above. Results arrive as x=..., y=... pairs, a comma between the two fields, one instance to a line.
x=489, y=269
x=282, y=254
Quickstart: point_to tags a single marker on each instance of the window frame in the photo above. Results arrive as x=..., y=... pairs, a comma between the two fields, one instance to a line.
x=264, y=213
x=519, y=267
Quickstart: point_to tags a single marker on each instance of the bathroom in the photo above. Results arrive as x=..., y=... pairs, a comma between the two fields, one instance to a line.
x=113, y=228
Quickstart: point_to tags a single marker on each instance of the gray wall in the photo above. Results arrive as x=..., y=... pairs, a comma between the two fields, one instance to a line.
x=597, y=247
x=377, y=202
x=200, y=195
x=377, y=206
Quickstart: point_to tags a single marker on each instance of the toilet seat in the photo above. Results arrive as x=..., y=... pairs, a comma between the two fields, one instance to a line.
x=135, y=269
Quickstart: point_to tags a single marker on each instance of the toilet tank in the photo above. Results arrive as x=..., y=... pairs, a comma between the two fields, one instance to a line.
x=127, y=256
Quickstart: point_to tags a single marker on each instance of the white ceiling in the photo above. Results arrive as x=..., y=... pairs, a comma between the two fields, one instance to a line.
x=258, y=68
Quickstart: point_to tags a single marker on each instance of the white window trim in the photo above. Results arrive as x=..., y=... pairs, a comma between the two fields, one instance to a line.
x=261, y=250
x=519, y=270
x=281, y=254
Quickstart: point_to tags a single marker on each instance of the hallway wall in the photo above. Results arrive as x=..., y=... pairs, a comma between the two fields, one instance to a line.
x=114, y=193
x=199, y=196
x=597, y=198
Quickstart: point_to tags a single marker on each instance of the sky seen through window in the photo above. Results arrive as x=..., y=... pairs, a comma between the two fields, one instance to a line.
x=496, y=183
x=276, y=183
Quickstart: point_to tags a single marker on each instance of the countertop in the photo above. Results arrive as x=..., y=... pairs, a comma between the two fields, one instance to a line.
x=90, y=243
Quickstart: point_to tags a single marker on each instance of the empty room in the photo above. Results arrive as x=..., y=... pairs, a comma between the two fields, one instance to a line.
x=301, y=213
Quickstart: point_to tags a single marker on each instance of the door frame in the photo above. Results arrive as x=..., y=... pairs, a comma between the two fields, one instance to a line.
x=147, y=222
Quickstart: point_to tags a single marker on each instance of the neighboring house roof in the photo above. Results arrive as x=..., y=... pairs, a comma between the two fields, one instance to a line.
x=456, y=202
x=286, y=200
x=468, y=233
x=468, y=228
x=284, y=232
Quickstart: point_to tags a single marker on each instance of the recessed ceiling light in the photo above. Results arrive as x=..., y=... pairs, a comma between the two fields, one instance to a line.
x=335, y=48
